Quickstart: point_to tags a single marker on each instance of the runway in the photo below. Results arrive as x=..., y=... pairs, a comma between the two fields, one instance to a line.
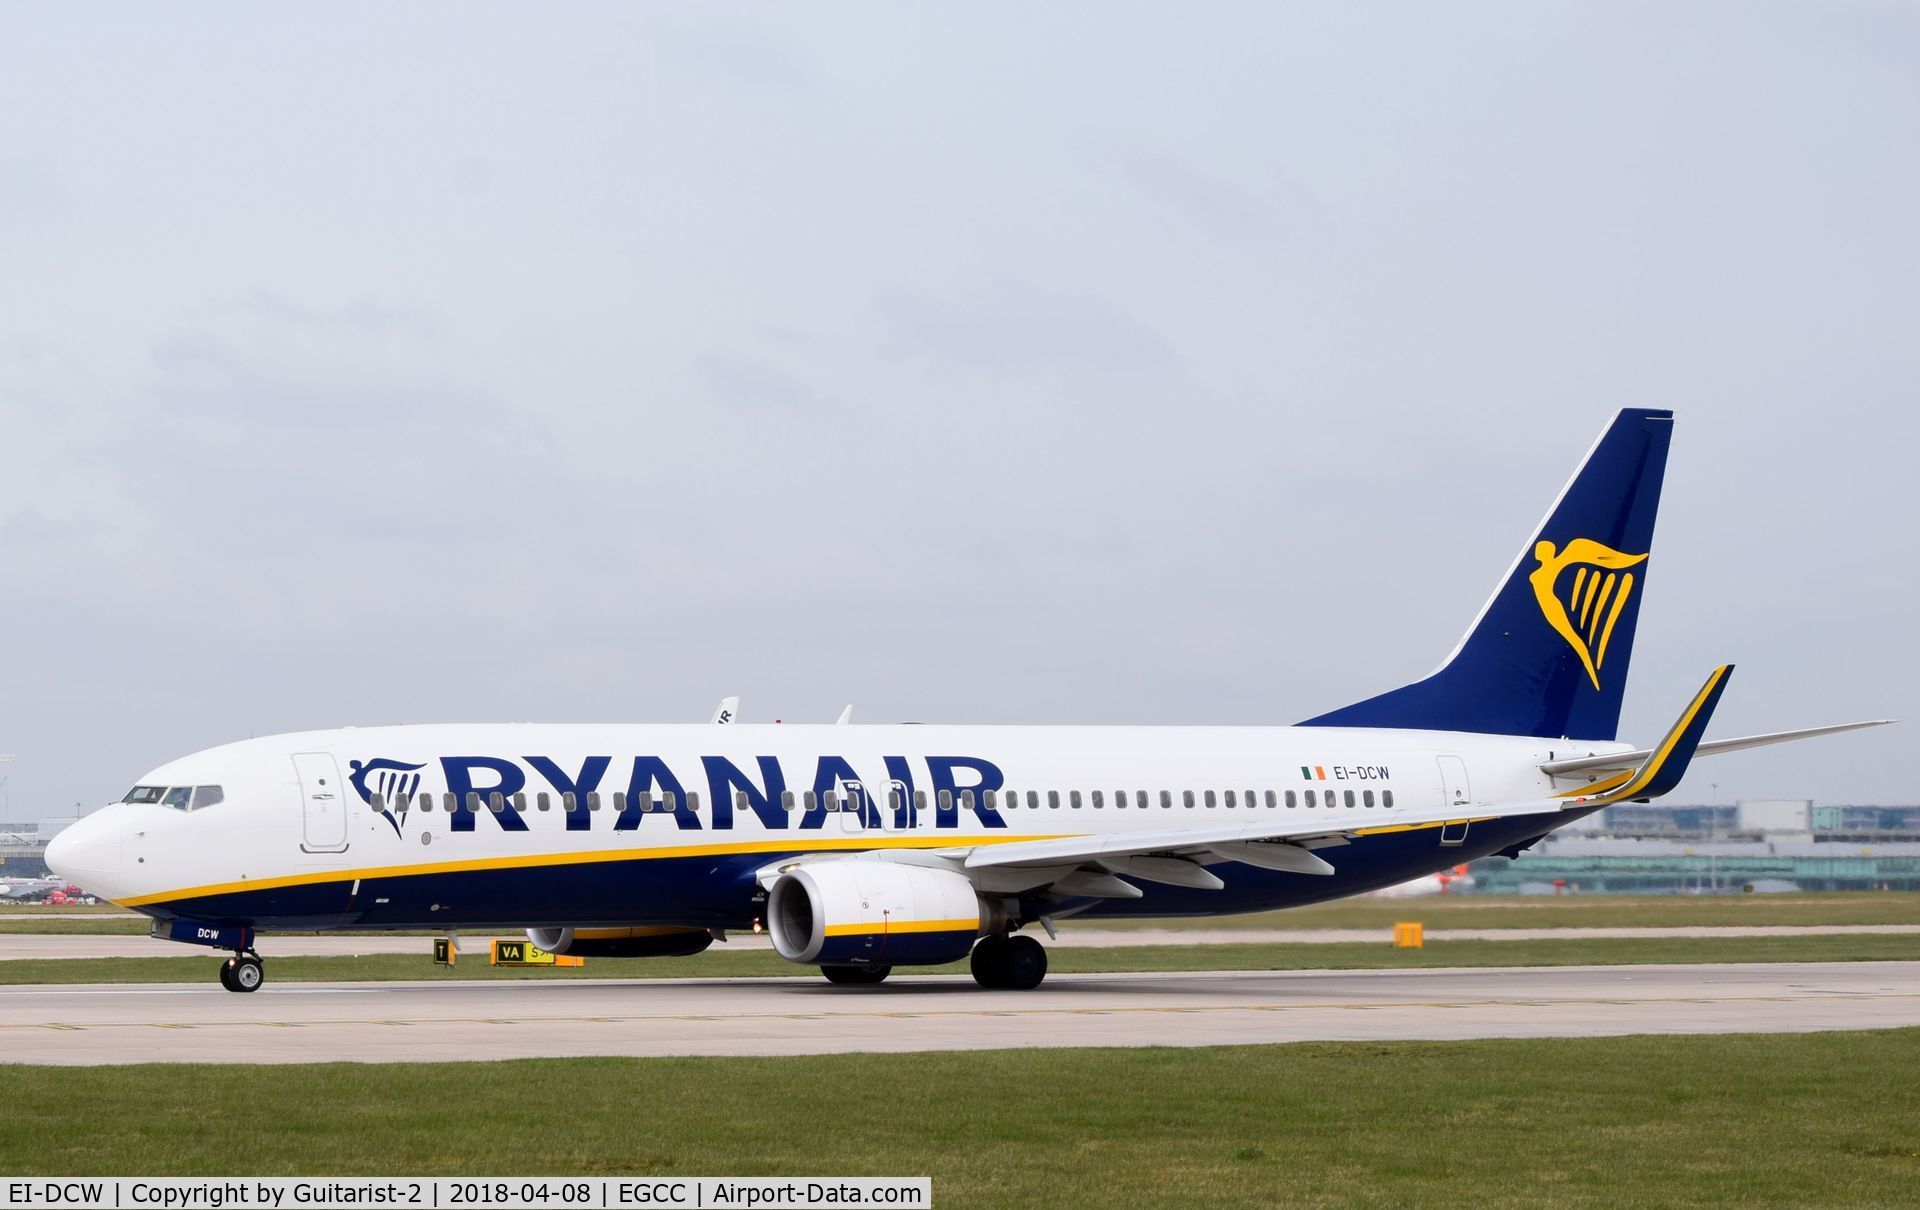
x=396, y=1022
x=92, y=945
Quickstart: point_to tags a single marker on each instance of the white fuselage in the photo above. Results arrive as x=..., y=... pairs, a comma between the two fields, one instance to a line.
x=669, y=824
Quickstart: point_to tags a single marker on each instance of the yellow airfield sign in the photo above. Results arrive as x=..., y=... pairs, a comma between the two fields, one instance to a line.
x=525, y=953
x=445, y=950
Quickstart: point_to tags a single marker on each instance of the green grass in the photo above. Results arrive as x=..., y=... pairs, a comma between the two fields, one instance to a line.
x=1767, y=1120
x=720, y=963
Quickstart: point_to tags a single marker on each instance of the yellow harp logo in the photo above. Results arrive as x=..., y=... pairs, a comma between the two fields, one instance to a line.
x=1584, y=613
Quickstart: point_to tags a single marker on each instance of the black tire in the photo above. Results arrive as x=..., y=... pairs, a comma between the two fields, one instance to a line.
x=248, y=973
x=226, y=975
x=862, y=976
x=1025, y=964
x=989, y=962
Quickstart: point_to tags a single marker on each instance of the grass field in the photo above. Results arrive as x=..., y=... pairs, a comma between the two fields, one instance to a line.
x=721, y=963
x=1769, y=1120
x=1455, y=911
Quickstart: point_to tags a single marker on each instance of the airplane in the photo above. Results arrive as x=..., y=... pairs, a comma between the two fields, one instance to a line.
x=864, y=847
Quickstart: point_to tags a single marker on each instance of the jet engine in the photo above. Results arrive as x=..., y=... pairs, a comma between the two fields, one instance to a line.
x=658, y=942
x=849, y=912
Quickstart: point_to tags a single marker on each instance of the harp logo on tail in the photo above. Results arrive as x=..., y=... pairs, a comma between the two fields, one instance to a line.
x=1584, y=607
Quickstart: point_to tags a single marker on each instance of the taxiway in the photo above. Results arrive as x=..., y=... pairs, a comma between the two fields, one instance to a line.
x=396, y=1022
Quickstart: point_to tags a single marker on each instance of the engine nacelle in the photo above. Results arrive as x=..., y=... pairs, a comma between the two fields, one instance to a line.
x=661, y=942
x=855, y=912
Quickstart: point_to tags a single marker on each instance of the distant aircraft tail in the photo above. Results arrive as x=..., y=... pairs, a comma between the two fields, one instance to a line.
x=1548, y=654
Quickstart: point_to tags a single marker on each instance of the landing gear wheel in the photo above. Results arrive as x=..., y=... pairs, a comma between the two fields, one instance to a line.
x=857, y=975
x=1009, y=963
x=989, y=961
x=1026, y=964
x=243, y=973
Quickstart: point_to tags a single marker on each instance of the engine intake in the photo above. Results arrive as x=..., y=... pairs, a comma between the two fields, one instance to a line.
x=649, y=942
x=857, y=912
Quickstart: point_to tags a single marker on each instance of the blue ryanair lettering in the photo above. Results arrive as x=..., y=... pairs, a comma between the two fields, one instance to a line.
x=591, y=771
x=959, y=785
x=649, y=772
x=723, y=777
x=509, y=781
x=986, y=776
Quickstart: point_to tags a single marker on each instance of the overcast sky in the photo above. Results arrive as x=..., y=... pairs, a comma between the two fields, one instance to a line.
x=1022, y=364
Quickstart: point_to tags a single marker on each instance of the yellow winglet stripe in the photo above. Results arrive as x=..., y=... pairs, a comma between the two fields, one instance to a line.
x=1659, y=759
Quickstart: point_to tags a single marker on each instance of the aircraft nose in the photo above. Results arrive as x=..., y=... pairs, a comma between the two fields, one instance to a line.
x=88, y=854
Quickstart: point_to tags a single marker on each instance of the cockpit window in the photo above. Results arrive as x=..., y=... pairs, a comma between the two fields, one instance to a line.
x=178, y=798
x=145, y=794
x=206, y=796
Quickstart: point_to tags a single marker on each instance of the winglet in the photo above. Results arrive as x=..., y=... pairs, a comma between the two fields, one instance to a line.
x=1667, y=763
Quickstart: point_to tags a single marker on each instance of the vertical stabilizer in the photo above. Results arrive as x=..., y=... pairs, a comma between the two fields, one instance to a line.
x=1548, y=654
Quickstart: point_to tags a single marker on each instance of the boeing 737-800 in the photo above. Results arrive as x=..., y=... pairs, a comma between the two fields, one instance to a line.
x=860, y=848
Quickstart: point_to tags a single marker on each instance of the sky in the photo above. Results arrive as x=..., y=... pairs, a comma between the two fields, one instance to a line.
x=990, y=364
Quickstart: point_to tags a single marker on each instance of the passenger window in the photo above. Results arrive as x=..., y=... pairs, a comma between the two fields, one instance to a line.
x=966, y=800
x=569, y=802
x=991, y=798
x=496, y=802
x=179, y=797
x=1033, y=800
x=519, y=802
x=1140, y=799
x=1349, y=795
x=1366, y=798
x=693, y=801
x=473, y=801
x=207, y=796
x=786, y=800
x=668, y=800
x=830, y=801
x=945, y=799
x=1053, y=799
x=1292, y=801
x=1073, y=799
x=1386, y=798
x=1228, y=796
x=593, y=800
x=542, y=802
x=1273, y=800
x=1310, y=801
x=1210, y=802
x=1166, y=799
x=919, y=800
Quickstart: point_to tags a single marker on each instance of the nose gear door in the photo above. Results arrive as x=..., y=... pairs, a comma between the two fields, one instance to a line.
x=323, y=803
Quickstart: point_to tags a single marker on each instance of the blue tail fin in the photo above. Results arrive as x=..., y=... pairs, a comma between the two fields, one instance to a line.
x=1548, y=654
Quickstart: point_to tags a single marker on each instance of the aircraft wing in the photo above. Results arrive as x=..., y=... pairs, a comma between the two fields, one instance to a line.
x=1175, y=854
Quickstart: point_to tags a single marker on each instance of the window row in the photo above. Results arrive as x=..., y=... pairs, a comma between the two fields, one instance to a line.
x=946, y=800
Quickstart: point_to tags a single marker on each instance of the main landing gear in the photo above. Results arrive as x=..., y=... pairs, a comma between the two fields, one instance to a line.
x=1009, y=962
x=244, y=972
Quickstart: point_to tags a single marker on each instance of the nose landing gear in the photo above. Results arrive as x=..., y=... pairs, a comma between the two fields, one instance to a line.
x=244, y=972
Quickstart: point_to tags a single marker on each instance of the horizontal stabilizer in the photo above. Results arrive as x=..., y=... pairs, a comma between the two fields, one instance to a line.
x=1618, y=761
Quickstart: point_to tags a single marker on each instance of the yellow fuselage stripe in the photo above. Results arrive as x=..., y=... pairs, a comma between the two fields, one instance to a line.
x=599, y=856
